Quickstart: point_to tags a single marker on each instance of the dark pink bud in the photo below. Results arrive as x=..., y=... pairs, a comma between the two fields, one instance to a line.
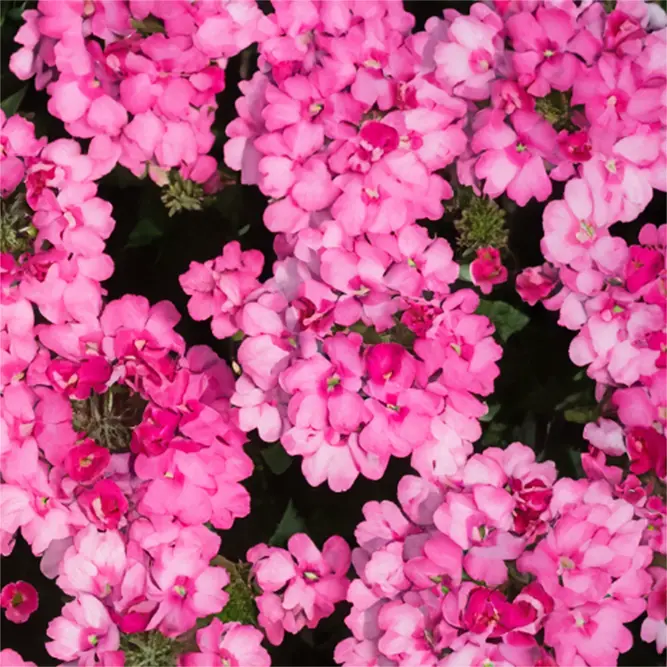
x=378, y=138
x=576, y=146
x=19, y=599
x=643, y=267
x=79, y=379
x=156, y=431
x=104, y=504
x=646, y=448
x=384, y=362
x=86, y=461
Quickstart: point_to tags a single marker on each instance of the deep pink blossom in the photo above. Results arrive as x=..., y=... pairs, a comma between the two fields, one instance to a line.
x=19, y=599
x=487, y=269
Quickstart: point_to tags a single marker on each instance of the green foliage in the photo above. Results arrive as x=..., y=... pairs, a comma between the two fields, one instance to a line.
x=150, y=649
x=108, y=418
x=507, y=319
x=17, y=233
x=11, y=104
x=555, y=109
x=183, y=195
x=291, y=523
x=149, y=26
x=482, y=222
x=276, y=458
x=145, y=233
x=241, y=604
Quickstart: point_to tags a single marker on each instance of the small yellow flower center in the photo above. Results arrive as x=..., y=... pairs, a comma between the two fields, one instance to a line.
x=566, y=563
x=333, y=382
x=86, y=461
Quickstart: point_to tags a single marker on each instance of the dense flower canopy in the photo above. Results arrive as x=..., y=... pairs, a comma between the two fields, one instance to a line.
x=127, y=450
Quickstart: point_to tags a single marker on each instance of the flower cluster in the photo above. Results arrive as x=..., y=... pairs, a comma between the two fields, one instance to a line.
x=341, y=128
x=54, y=229
x=572, y=90
x=218, y=288
x=345, y=347
x=611, y=292
x=144, y=76
x=300, y=585
x=470, y=573
x=118, y=443
x=122, y=450
x=348, y=401
x=227, y=644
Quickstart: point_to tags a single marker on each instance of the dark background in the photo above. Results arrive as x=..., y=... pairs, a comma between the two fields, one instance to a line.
x=151, y=250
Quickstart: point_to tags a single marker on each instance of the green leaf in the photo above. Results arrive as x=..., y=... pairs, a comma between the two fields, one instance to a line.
x=306, y=635
x=369, y=334
x=494, y=434
x=276, y=458
x=149, y=26
x=17, y=13
x=507, y=319
x=464, y=273
x=575, y=458
x=291, y=523
x=576, y=398
x=144, y=233
x=11, y=104
x=491, y=412
x=527, y=431
x=580, y=415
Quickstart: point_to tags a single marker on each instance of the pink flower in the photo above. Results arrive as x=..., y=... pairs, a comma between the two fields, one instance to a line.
x=546, y=47
x=94, y=564
x=83, y=631
x=593, y=549
x=104, y=505
x=644, y=265
x=219, y=287
x=512, y=160
x=607, y=436
x=489, y=613
x=654, y=628
x=465, y=62
x=156, y=431
x=185, y=587
x=535, y=283
x=592, y=634
x=9, y=658
x=79, y=379
x=487, y=269
x=19, y=599
x=646, y=448
x=87, y=461
x=227, y=642
x=301, y=586
x=574, y=225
